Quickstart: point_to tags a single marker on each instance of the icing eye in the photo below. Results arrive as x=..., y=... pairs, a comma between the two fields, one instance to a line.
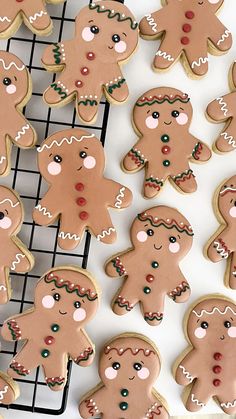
x=57, y=159
x=175, y=114
x=172, y=239
x=2, y=215
x=57, y=297
x=116, y=366
x=155, y=115
x=150, y=232
x=94, y=29
x=204, y=325
x=6, y=81
x=83, y=155
x=227, y=324
x=137, y=366
x=77, y=304
x=115, y=38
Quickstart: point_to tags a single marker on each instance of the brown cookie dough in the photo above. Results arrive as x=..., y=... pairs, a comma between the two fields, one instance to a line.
x=162, y=119
x=161, y=237
x=188, y=30
x=106, y=36
x=72, y=162
x=207, y=367
x=9, y=389
x=129, y=366
x=66, y=299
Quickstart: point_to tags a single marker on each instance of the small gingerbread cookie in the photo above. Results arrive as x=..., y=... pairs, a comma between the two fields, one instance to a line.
x=188, y=30
x=161, y=237
x=32, y=12
x=72, y=162
x=222, y=246
x=106, y=36
x=66, y=299
x=129, y=366
x=9, y=389
x=207, y=368
x=162, y=119
x=14, y=255
x=223, y=110
x=15, y=92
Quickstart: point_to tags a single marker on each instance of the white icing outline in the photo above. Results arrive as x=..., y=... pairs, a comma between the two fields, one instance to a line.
x=2, y=392
x=17, y=261
x=105, y=233
x=151, y=22
x=22, y=132
x=186, y=373
x=67, y=140
x=164, y=55
x=223, y=105
x=43, y=210
x=198, y=403
x=221, y=250
x=2, y=19
x=69, y=236
x=201, y=60
x=141, y=155
x=224, y=36
x=113, y=81
x=227, y=189
x=63, y=86
x=12, y=64
x=10, y=202
x=229, y=404
x=2, y=158
x=215, y=309
x=94, y=405
x=37, y=15
x=119, y=198
x=231, y=140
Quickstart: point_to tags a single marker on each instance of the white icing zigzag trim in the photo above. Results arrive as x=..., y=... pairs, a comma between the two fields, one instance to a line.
x=229, y=138
x=201, y=60
x=164, y=55
x=224, y=36
x=229, y=188
x=10, y=202
x=221, y=250
x=5, y=18
x=64, y=140
x=44, y=211
x=186, y=373
x=69, y=236
x=17, y=260
x=22, y=132
x=229, y=404
x=119, y=198
x=2, y=288
x=2, y=392
x=106, y=233
x=151, y=22
x=198, y=403
x=2, y=158
x=223, y=105
x=33, y=18
x=215, y=309
x=12, y=64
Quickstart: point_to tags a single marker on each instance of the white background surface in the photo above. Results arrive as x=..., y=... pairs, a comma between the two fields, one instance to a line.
x=204, y=276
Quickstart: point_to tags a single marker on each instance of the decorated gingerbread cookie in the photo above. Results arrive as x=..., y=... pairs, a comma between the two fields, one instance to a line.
x=223, y=110
x=15, y=93
x=160, y=237
x=72, y=162
x=66, y=299
x=129, y=366
x=165, y=146
x=188, y=30
x=106, y=35
x=32, y=12
x=14, y=255
x=9, y=389
x=222, y=246
x=207, y=368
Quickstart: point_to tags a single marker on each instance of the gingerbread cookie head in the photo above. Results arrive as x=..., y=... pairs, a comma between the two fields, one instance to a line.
x=11, y=213
x=164, y=231
x=14, y=86
x=109, y=28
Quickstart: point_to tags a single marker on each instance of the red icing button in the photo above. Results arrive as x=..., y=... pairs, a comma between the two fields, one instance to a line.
x=150, y=278
x=189, y=14
x=49, y=340
x=216, y=383
x=83, y=215
x=217, y=356
x=217, y=369
x=79, y=187
x=84, y=71
x=186, y=27
x=90, y=56
x=165, y=149
x=79, y=83
x=184, y=40
x=81, y=201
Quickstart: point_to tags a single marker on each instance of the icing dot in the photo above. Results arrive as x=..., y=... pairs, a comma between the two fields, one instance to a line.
x=45, y=353
x=111, y=373
x=217, y=369
x=144, y=373
x=89, y=162
x=155, y=264
x=5, y=223
x=185, y=40
x=166, y=163
x=81, y=201
x=48, y=301
x=232, y=212
x=147, y=290
x=49, y=340
x=54, y=168
x=174, y=247
x=124, y=392
x=123, y=406
x=216, y=383
x=90, y=56
x=150, y=278
x=218, y=356
x=142, y=236
x=166, y=149
x=79, y=315
x=165, y=138
x=189, y=14
x=79, y=83
x=84, y=71
x=11, y=89
x=79, y=187
x=186, y=27
x=55, y=327
x=200, y=333
x=83, y=215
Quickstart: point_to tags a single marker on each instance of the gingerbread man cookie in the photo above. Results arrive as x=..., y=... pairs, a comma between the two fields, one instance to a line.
x=15, y=92
x=66, y=299
x=32, y=12
x=129, y=365
x=188, y=30
x=14, y=255
x=223, y=110
x=162, y=118
x=161, y=237
x=222, y=246
x=106, y=35
x=208, y=368
x=9, y=389
x=72, y=162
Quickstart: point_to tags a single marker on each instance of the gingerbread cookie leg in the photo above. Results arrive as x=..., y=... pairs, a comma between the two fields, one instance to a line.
x=8, y=18
x=197, y=60
x=185, y=180
x=153, y=314
x=103, y=228
x=227, y=401
x=55, y=371
x=37, y=18
x=87, y=106
x=9, y=390
x=21, y=132
x=120, y=196
x=59, y=92
x=125, y=300
x=167, y=54
x=23, y=363
x=68, y=239
x=93, y=404
x=198, y=397
x=134, y=159
x=152, y=183
x=83, y=354
x=5, y=290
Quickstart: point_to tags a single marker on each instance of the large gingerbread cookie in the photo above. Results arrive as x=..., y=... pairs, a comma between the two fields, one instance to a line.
x=162, y=119
x=15, y=92
x=188, y=30
x=207, y=368
x=66, y=299
x=129, y=366
x=14, y=256
x=161, y=237
x=222, y=246
x=32, y=12
x=223, y=110
x=106, y=35
x=72, y=162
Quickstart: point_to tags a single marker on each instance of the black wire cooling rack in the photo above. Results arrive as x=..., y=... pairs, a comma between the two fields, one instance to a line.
x=26, y=179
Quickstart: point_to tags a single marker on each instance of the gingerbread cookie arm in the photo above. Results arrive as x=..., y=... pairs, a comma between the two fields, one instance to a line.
x=201, y=152
x=16, y=328
x=153, y=312
x=21, y=132
x=158, y=409
x=25, y=360
x=116, y=266
x=5, y=291
x=186, y=370
x=218, y=249
x=153, y=24
x=21, y=259
x=37, y=18
x=9, y=389
x=220, y=36
x=55, y=371
x=94, y=403
x=181, y=292
x=5, y=162
x=54, y=56
x=115, y=85
x=134, y=159
x=68, y=239
x=219, y=110
x=83, y=353
x=46, y=212
x=120, y=196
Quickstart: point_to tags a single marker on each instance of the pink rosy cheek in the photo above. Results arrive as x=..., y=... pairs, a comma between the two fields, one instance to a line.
x=174, y=247
x=87, y=35
x=200, y=333
x=232, y=212
x=120, y=47
x=144, y=373
x=54, y=168
x=5, y=223
x=79, y=315
x=182, y=119
x=110, y=373
x=89, y=162
x=48, y=301
x=151, y=122
x=232, y=332
x=142, y=236
x=11, y=89
x=213, y=1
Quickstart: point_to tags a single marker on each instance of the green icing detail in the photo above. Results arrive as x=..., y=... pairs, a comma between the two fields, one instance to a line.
x=152, y=318
x=115, y=86
x=153, y=180
x=88, y=102
x=137, y=155
x=55, y=383
x=123, y=305
x=22, y=374
x=57, y=53
x=159, y=102
x=59, y=90
x=12, y=331
x=195, y=150
x=113, y=14
x=169, y=227
x=182, y=175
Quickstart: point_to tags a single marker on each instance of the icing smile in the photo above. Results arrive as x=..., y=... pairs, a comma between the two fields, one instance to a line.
x=110, y=47
x=200, y=3
x=79, y=168
x=168, y=123
x=63, y=312
x=157, y=248
x=131, y=379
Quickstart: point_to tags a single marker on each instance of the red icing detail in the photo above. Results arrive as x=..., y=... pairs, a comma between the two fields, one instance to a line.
x=166, y=149
x=189, y=14
x=218, y=356
x=217, y=369
x=83, y=215
x=216, y=383
x=79, y=187
x=84, y=71
x=187, y=28
x=81, y=201
x=19, y=1
x=185, y=40
x=79, y=83
x=90, y=56
x=49, y=340
x=150, y=278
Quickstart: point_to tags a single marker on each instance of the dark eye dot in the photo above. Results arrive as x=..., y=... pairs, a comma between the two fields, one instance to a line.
x=172, y=239
x=57, y=159
x=150, y=232
x=175, y=114
x=227, y=324
x=77, y=304
x=116, y=366
x=235, y=203
x=2, y=215
x=137, y=366
x=155, y=115
x=94, y=29
x=83, y=154
x=57, y=297
x=204, y=325
x=6, y=81
x=115, y=38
